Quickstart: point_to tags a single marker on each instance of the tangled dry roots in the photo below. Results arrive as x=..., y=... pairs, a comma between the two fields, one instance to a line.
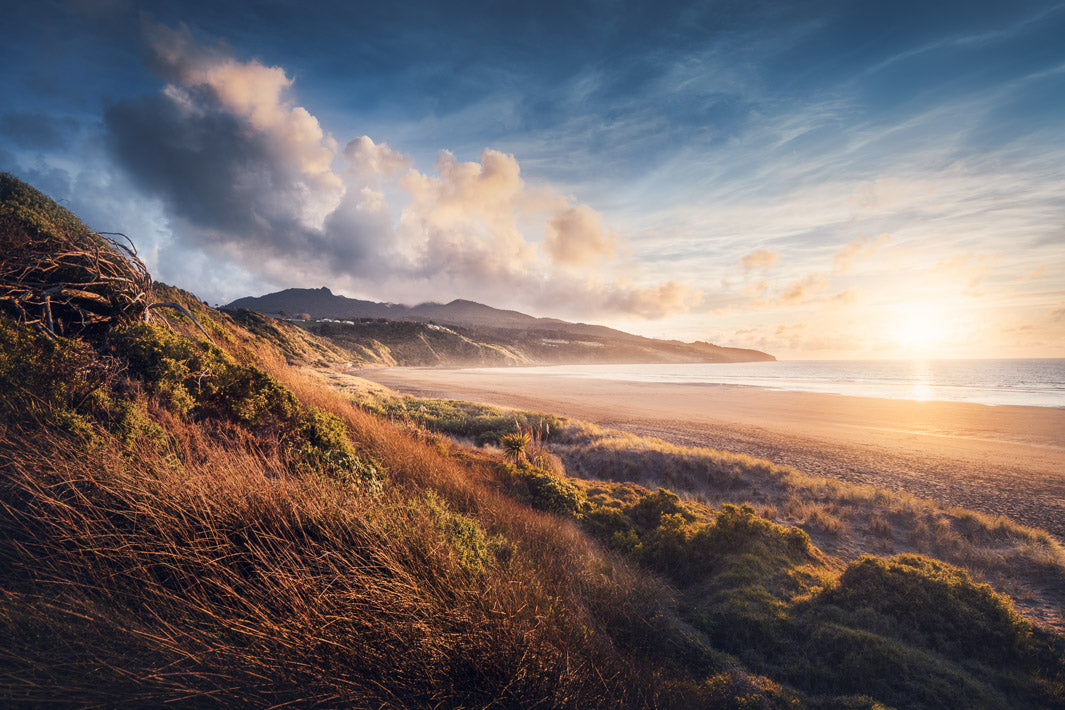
x=75, y=286
x=59, y=275
x=63, y=278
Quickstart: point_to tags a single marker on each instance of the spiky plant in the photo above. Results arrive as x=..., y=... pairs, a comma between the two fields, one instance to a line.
x=514, y=445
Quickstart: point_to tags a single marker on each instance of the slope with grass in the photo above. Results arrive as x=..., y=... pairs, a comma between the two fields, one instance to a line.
x=202, y=524
x=464, y=333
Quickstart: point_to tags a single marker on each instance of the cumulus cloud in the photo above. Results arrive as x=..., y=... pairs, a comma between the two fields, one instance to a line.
x=865, y=247
x=368, y=159
x=248, y=175
x=760, y=259
x=576, y=236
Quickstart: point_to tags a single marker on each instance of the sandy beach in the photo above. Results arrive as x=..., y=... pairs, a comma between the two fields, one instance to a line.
x=1002, y=460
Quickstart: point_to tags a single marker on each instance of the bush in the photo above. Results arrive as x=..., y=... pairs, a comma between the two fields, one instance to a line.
x=47, y=380
x=738, y=529
x=548, y=492
x=931, y=604
x=473, y=548
x=202, y=380
x=648, y=511
x=322, y=445
x=482, y=423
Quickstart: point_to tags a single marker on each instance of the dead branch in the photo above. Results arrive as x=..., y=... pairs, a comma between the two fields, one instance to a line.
x=78, y=286
x=179, y=307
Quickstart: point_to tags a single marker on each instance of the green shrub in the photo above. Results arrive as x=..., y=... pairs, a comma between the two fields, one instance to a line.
x=648, y=511
x=546, y=491
x=29, y=216
x=604, y=522
x=930, y=604
x=482, y=423
x=202, y=380
x=738, y=529
x=127, y=419
x=666, y=547
x=845, y=661
x=47, y=380
x=473, y=548
x=322, y=445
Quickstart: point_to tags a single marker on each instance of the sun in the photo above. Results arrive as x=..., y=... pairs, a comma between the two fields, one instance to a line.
x=919, y=329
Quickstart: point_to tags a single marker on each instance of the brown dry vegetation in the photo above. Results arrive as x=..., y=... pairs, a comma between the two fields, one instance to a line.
x=845, y=520
x=202, y=525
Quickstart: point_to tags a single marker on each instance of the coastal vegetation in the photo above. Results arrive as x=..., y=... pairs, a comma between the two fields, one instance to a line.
x=205, y=524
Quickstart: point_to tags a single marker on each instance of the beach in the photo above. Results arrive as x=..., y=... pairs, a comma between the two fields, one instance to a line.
x=1007, y=460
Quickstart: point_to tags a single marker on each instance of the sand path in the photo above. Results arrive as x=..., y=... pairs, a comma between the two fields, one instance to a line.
x=1002, y=460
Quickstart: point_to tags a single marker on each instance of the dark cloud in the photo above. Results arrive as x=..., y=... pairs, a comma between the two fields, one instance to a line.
x=228, y=184
x=37, y=131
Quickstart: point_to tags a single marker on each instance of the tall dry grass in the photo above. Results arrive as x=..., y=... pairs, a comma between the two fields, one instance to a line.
x=208, y=573
x=845, y=520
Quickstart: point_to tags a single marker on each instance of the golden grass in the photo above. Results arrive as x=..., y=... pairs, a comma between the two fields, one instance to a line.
x=210, y=573
x=844, y=519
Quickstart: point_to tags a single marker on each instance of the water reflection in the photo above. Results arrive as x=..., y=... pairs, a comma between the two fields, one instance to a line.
x=921, y=389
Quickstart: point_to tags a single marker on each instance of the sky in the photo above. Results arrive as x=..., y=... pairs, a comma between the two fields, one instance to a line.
x=814, y=179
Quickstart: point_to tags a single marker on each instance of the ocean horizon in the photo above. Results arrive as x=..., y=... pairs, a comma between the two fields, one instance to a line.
x=1026, y=382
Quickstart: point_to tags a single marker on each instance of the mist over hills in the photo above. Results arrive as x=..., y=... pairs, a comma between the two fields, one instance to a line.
x=466, y=333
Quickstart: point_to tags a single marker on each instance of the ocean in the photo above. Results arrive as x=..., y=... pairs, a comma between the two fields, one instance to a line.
x=1035, y=382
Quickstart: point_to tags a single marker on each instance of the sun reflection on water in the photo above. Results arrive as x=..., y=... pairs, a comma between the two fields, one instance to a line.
x=921, y=389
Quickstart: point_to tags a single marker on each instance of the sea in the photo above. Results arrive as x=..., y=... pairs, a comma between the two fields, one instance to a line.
x=1028, y=382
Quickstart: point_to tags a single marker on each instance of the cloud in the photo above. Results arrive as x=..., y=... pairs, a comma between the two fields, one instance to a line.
x=575, y=236
x=666, y=298
x=248, y=175
x=367, y=158
x=804, y=289
x=968, y=271
x=1058, y=314
x=1036, y=273
x=844, y=260
x=760, y=259
x=756, y=289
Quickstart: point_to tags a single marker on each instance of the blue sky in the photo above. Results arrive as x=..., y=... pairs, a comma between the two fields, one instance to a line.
x=816, y=179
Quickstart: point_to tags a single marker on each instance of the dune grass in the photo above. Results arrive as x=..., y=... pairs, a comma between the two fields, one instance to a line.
x=203, y=525
x=845, y=520
x=258, y=539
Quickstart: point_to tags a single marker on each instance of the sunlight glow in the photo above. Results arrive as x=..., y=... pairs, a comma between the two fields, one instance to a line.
x=919, y=329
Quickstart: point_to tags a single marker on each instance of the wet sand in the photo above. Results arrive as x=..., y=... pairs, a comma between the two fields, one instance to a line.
x=1004, y=460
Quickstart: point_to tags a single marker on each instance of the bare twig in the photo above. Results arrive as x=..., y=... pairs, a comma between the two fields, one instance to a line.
x=71, y=286
x=179, y=307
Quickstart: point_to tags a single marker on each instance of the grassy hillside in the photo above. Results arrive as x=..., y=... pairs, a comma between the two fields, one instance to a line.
x=201, y=524
x=464, y=333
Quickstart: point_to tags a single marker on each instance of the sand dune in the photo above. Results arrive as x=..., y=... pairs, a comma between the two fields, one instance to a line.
x=1002, y=460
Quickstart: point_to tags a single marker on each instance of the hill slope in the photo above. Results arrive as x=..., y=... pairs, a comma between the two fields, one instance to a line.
x=475, y=334
x=195, y=523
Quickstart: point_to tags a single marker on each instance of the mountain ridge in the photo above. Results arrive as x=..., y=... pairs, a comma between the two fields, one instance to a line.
x=476, y=334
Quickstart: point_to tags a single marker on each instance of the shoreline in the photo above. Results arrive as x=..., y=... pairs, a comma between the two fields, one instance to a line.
x=998, y=459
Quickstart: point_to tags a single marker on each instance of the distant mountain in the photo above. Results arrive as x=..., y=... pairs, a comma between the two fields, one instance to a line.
x=323, y=303
x=318, y=303
x=468, y=333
